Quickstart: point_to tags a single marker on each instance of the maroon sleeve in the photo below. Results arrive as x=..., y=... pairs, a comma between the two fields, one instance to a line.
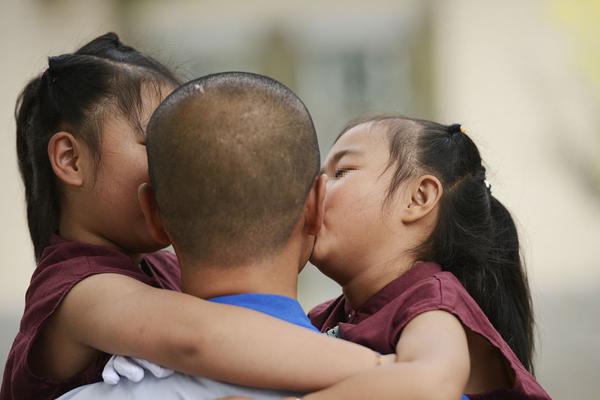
x=444, y=292
x=423, y=297
x=49, y=286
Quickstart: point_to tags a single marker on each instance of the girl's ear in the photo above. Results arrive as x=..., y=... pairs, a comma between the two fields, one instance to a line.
x=424, y=196
x=314, y=211
x=66, y=158
x=151, y=215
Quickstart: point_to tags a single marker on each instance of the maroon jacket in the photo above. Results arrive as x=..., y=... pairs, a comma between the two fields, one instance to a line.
x=379, y=322
x=64, y=264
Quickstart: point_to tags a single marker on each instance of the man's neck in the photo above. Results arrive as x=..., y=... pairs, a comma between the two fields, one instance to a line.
x=277, y=275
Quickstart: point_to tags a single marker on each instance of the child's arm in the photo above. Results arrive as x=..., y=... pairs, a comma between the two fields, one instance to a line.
x=119, y=315
x=433, y=364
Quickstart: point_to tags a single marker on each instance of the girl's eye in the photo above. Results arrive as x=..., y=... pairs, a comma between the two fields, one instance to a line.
x=340, y=172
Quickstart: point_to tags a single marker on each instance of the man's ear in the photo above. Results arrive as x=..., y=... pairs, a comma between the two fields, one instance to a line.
x=425, y=194
x=151, y=215
x=66, y=158
x=314, y=211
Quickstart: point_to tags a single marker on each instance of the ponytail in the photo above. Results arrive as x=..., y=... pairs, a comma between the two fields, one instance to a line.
x=476, y=238
x=34, y=166
x=515, y=310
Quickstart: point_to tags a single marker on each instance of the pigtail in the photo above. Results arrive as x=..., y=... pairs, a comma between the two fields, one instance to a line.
x=516, y=313
x=24, y=113
x=32, y=120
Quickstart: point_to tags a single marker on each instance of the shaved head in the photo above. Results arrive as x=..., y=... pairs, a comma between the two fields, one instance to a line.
x=232, y=157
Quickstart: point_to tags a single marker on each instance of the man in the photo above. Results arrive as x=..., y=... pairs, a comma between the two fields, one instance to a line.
x=234, y=166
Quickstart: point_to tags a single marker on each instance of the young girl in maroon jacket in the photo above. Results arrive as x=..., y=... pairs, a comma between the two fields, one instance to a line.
x=98, y=286
x=429, y=263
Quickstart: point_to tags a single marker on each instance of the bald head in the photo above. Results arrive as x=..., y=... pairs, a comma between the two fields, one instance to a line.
x=232, y=157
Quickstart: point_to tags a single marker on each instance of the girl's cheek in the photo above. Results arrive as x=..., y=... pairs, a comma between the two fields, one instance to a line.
x=334, y=191
x=327, y=200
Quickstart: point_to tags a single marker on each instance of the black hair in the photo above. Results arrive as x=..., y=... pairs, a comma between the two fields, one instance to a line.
x=74, y=94
x=232, y=157
x=475, y=237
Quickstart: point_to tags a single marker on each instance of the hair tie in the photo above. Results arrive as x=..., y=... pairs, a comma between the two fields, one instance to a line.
x=48, y=75
x=51, y=76
x=113, y=39
x=488, y=186
x=52, y=64
x=456, y=128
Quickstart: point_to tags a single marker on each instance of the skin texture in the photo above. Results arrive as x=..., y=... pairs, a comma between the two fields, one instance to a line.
x=179, y=331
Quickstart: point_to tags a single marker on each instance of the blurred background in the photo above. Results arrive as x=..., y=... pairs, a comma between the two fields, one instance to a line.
x=523, y=77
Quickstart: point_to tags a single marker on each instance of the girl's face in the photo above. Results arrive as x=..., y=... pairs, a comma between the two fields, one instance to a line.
x=358, y=230
x=114, y=211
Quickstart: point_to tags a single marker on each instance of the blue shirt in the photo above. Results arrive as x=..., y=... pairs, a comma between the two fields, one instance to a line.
x=281, y=307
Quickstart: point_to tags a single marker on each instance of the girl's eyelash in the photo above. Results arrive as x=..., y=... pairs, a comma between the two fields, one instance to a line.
x=341, y=172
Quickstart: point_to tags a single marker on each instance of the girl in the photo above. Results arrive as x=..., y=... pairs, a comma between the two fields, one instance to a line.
x=429, y=263
x=97, y=289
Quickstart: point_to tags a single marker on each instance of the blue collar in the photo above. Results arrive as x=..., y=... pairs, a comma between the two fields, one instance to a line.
x=282, y=307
